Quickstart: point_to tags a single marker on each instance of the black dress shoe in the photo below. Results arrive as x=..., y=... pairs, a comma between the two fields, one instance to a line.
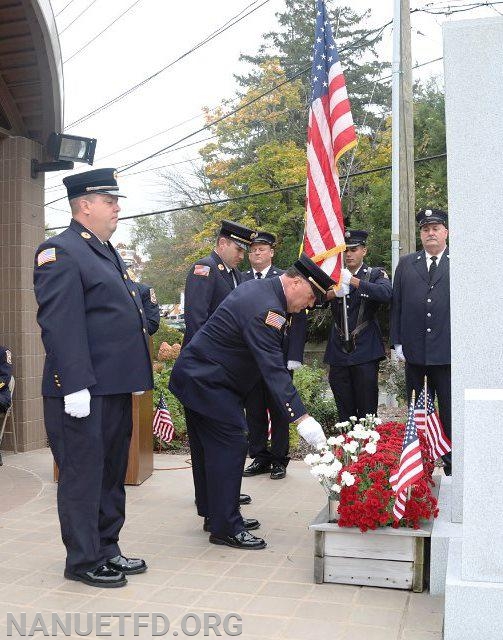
x=127, y=565
x=104, y=577
x=250, y=524
x=242, y=540
x=256, y=468
x=278, y=471
x=244, y=498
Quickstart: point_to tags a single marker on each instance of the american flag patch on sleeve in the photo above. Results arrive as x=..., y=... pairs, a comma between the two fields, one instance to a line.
x=274, y=319
x=201, y=270
x=47, y=255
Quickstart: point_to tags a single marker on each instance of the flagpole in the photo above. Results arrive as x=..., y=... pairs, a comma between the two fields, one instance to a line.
x=345, y=324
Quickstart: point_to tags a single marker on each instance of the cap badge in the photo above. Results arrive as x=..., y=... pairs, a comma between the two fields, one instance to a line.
x=115, y=175
x=253, y=235
x=428, y=212
x=85, y=235
x=347, y=234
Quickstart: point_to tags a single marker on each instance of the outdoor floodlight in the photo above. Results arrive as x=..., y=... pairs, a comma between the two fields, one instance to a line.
x=65, y=150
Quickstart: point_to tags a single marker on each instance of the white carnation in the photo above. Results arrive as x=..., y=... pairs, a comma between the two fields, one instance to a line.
x=353, y=418
x=327, y=457
x=370, y=447
x=335, y=467
x=375, y=435
x=332, y=440
x=347, y=479
x=336, y=488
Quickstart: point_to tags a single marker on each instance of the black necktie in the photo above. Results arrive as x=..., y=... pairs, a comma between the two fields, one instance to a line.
x=258, y=275
x=233, y=277
x=433, y=267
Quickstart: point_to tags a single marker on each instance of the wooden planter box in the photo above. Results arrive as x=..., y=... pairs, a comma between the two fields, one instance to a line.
x=385, y=557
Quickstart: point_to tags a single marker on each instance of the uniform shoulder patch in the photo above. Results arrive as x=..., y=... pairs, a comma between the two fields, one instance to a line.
x=201, y=270
x=153, y=298
x=8, y=356
x=47, y=255
x=274, y=319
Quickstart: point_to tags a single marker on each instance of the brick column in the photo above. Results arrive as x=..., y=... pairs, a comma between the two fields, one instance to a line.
x=21, y=231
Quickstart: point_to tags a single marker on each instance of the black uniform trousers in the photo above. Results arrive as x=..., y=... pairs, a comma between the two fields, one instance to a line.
x=257, y=404
x=218, y=453
x=355, y=389
x=92, y=457
x=439, y=384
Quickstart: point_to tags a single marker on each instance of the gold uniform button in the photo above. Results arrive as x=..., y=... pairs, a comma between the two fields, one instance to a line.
x=125, y=276
x=133, y=293
x=144, y=331
x=141, y=310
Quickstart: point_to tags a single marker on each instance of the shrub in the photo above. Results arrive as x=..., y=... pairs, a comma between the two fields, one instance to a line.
x=167, y=334
x=314, y=390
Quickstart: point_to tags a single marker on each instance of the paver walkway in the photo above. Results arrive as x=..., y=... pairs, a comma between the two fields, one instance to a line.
x=272, y=590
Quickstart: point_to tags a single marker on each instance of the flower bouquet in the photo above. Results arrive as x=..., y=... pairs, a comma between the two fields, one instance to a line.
x=355, y=468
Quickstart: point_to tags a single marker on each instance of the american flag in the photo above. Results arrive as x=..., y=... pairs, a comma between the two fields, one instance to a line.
x=330, y=134
x=163, y=424
x=411, y=465
x=438, y=443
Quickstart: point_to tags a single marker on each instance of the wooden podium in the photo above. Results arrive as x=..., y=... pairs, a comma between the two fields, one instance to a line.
x=141, y=450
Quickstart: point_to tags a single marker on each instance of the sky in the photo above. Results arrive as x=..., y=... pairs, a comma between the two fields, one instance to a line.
x=150, y=35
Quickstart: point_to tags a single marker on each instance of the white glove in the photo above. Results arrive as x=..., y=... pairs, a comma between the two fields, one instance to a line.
x=311, y=431
x=346, y=276
x=138, y=393
x=291, y=365
x=343, y=290
x=399, y=353
x=78, y=404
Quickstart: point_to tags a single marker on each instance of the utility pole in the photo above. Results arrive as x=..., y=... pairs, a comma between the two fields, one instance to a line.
x=403, y=229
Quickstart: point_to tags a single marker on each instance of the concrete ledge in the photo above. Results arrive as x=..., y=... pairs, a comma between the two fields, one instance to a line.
x=470, y=607
x=444, y=530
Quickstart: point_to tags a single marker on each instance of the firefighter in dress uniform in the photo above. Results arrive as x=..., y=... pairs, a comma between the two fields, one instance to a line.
x=240, y=344
x=95, y=336
x=260, y=406
x=420, y=316
x=354, y=367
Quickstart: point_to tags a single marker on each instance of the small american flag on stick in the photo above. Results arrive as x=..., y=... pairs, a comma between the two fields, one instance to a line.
x=330, y=134
x=427, y=419
x=163, y=424
x=411, y=465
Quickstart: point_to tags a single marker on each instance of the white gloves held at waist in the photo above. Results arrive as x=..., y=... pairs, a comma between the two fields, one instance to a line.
x=399, y=353
x=311, y=431
x=293, y=364
x=78, y=404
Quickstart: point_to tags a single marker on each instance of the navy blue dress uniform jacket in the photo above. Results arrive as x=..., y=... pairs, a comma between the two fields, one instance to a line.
x=5, y=376
x=150, y=307
x=420, y=312
x=369, y=343
x=94, y=328
x=208, y=283
x=235, y=348
x=296, y=329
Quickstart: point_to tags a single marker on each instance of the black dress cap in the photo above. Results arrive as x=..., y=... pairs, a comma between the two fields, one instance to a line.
x=431, y=216
x=355, y=237
x=264, y=237
x=241, y=235
x=319, y=280
x=95, y=181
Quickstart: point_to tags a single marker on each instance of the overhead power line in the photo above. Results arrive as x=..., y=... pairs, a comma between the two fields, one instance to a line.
x=260, y=193
x=227, y=25
x=101, y=32
x=65, y=7
x=75, y=19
